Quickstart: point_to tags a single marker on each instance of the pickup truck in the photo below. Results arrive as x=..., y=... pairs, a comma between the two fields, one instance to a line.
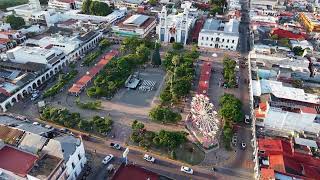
x=115, y=146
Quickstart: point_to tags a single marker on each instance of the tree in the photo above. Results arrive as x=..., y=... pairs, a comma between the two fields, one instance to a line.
x=86, y=6
x=164, y=115
x=229, y=74
x=137, y=125
x=181, y=87
x=153, y=2
x=104, y=43
x=15, y=22
x=173, y=155
x=99, y=8
x=156, y=59
x=177, y=46
x=165, y=96
x=230, y=108
x=143, y=53
x=227, y=136
x=297, y=83
x=298, y=51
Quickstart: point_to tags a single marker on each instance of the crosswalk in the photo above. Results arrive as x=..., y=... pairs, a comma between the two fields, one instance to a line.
x=147, y=85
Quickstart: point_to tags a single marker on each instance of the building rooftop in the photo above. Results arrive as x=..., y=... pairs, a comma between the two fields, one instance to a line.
x=136, y=20
x=31, y=50
x=16, y=161
x=134, y=173
x=32, y=142
x=9, y=135
x=306, y=142
x=289, y=121
x=36, y=129
x=29, y=66
x=62, y=146
x=276, y=88
x=45, y=166
x=214, y=25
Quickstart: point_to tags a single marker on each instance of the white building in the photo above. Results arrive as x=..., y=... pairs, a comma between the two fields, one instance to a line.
x=131, y=4
x=234, y=5
x=62, y=157
x=289, y=122
x=135, y=25
x=216, y=34
x=63, y=5
x=174, y=27
x=66, y=44
x=23, y=54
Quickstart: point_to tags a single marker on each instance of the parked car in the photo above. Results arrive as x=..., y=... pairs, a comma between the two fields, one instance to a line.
x=243, y=145
x=36, y=123
x=115, y=146
x=107, y=159
x=186, y=170
x=34, y=97
x=149, y=158
x=247, y=119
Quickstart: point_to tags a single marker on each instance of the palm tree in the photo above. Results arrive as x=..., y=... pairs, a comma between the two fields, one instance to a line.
x=175, y=61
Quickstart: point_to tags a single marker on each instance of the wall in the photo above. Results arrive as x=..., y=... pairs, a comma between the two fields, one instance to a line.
x=218, y=40
x=79, y=164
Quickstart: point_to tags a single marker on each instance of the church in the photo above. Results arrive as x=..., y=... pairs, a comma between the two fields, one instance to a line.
x=175, y=27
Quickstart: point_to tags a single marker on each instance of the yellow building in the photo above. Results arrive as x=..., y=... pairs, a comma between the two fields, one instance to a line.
x=310, y=22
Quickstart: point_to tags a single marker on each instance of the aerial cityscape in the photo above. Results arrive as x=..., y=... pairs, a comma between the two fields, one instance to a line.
x=159, y=90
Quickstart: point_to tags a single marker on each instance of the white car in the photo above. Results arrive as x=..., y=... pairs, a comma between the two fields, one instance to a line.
x=186, y=170
x=243, y=145
x=149, y=158
x=107, y=159
x=214, y=55
x=247, y=119
x=36, y=123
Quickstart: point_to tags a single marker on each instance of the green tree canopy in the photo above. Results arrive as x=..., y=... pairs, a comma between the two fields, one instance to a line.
x=298, y=51
x=230, y=108
x=164, y=115
x=15, y=22
x=229, y=71
x=104, y=43
x=143, y=53
x=99, y=8
x=156, y=59
x=86, y=6
x=177, y=46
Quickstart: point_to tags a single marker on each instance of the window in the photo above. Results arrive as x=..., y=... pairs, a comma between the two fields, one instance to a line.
x=207, y=38
x=210, y=44
x=232, y=41
x=226, y=46
x=79, y=157
x=211, y=39
x=228, y=41
x=217, y=39
x=202, y=38
x=231, y=47
x=222, y=40
x=73, y=166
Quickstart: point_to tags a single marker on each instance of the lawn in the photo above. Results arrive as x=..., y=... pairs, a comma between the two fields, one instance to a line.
x=190, y=153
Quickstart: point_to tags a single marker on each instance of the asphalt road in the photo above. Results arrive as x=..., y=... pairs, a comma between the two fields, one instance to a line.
x=244, y=131
x=162, y=165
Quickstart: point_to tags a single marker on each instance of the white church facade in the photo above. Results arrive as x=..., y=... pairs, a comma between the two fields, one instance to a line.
x=174, y=27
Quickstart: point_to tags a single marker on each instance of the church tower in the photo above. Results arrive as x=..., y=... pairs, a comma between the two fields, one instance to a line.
x=35, y=4
x=184, y=26
x=163, y=24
